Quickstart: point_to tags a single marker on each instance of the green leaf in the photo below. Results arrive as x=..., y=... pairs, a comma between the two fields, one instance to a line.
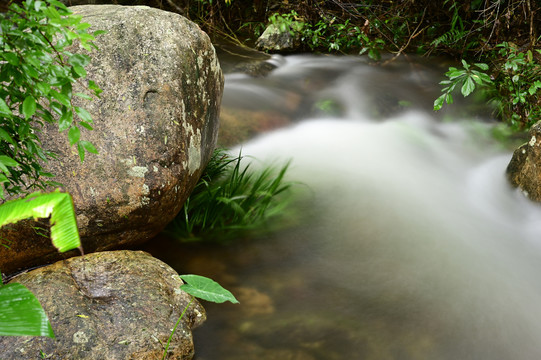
x=4, y=135
x=79, y=60
x=21, y=313
x=11, y=58
x=88, y=146
x=482, y=66
x=29, y=107
x=81, y=151
x=86, y=125
x=206, y=289
x=65, y=120
x=79, y=70
x=74, y=135
x=468, y=86
x=83, y=114
x=62, y=98
x=4, y=108
x=57, y=205
x=438, y=103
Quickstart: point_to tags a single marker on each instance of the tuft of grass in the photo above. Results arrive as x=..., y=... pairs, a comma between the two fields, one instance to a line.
x=230, y=200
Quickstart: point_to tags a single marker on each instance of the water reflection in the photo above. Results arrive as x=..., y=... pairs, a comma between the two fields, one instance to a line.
x=412, y=245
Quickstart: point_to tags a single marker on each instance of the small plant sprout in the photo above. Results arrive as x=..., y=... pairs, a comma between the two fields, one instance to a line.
x=202, y=288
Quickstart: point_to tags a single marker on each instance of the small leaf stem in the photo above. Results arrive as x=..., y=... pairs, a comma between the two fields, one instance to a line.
x=175, y=328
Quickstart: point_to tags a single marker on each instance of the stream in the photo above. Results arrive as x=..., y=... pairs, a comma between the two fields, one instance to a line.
x=406, y=241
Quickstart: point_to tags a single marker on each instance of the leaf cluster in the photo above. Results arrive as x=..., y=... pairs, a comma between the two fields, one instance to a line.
x=467, y=78
x=37, y=73
x=512, y=83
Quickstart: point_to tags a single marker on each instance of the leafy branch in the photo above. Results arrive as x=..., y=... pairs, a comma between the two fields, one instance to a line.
x=468, y=77
x=37, y=71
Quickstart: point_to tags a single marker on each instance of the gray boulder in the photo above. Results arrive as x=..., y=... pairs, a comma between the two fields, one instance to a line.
x=155, y=128
x=109, y=305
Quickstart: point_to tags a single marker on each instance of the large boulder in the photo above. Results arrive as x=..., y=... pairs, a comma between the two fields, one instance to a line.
x=108, y=305
x=524, y=169
x=155, y=127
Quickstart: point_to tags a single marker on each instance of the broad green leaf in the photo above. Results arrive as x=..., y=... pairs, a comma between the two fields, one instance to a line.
x=438, y=103
x=65, y=120
x=29, y=107
x=37, y=5
x=21, y=313
x=4, y=135
x=468, y=86
x=79, y=60
x=57, y=205
x=7, y=161
x=83, y=96
x=62, y=98
x=482, y=66
x=4, y=108
x=88, y=146
x=79, y=70
x=206, y=289
x=11, y=58
x=83, y=114
x=86, y=125
x=74, y=135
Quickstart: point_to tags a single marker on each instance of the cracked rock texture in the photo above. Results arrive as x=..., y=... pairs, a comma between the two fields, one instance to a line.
x=108, y=305
x=155, y=128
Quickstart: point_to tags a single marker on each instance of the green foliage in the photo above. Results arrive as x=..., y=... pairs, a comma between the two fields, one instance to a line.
x=57, y=206
x=37, y=72
x=203, y=288
x=287, y=22
x=20, y=311
x=514, y=87
x=206, y=289
x=467, y=77
x=518, y=85
x=229, y=199
x=344, y=37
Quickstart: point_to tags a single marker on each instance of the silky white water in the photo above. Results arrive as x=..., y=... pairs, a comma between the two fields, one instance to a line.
x=412, y=244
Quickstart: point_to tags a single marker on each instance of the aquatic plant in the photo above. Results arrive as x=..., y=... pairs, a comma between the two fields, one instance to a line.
x=230, y=199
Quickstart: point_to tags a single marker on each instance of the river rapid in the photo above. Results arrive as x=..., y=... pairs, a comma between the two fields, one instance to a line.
x=407, y=241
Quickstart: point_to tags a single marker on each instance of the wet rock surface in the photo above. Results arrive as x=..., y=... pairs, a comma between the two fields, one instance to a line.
x=155, y=127
x=108, y=305
x=524, y=169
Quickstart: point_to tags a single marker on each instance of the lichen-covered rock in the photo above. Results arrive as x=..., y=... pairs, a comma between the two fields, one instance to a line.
x=108, y=305
x=155, y=127
x=524, y=169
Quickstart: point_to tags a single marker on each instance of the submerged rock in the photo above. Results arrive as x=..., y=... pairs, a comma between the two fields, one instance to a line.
x=155, y=127
x=109, y=305
x=524, y=169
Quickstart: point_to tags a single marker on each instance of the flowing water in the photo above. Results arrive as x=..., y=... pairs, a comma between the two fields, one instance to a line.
x=407, y=244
